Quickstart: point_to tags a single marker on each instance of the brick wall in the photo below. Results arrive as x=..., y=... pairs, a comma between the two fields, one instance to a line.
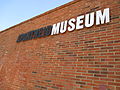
x=87, y=59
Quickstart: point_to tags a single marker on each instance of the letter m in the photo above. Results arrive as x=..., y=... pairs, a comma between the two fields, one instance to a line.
x=55, y=29
x=103, y=18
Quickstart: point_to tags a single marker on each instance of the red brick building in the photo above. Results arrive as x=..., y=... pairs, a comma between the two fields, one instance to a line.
x=86, y=59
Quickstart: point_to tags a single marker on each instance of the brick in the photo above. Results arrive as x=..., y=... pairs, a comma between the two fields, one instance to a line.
x=100, y=75
x=86, y=59
x=89, y=71
x=111, y=76
x=80, y=83
x=106, y=79
x=117, y=88
x=100, y=82
x=107, y=48
x=89, y=41
x=93, y=78
x=80, y=77
x=113, y=83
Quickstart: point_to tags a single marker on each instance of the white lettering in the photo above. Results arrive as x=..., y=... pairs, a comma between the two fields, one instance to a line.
x=55, y=29
x=71, y=23
x=79, y=22
x=63, y=27
x=89, y=19
x=105, y=18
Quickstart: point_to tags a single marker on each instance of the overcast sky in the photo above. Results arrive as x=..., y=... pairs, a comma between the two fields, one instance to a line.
x=16, y=11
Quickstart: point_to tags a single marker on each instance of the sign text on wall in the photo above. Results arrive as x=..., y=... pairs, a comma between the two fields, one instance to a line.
x=82, y=21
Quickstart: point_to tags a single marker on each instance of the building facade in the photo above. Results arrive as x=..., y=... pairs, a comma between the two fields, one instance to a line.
x=73, y=47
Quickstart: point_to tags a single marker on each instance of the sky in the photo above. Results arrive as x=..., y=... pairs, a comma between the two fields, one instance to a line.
x=13, y=12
